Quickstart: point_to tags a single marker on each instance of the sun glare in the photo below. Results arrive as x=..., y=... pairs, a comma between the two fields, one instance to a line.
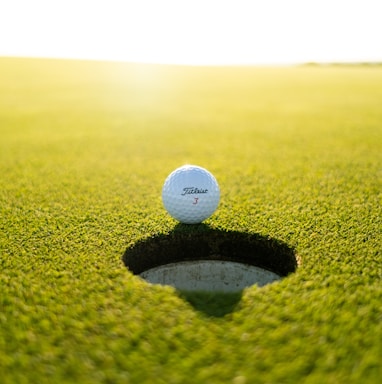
x=197, y=32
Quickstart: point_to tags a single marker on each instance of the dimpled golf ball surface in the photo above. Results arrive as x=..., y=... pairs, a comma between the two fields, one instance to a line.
x=190, y=194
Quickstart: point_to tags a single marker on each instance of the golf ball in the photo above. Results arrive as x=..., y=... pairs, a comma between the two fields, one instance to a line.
x=190, y=194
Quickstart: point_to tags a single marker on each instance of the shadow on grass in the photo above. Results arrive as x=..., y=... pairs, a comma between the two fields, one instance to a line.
x=214, y=304
x=200, y=242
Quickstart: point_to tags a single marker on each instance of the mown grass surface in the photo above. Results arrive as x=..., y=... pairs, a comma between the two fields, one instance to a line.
x=84, y=150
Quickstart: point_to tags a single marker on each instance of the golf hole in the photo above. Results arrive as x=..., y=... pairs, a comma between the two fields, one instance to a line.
x=198, y=258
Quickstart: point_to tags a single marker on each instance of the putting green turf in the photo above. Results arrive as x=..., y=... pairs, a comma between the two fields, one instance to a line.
x=84, y=150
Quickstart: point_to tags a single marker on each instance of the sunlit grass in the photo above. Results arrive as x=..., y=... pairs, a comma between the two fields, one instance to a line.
x=84, y=150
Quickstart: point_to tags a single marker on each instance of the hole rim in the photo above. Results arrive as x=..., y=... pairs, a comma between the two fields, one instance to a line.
x=203, y=243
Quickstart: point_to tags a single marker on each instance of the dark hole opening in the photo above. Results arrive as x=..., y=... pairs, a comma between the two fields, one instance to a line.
x=200, y=242
x=193, y=243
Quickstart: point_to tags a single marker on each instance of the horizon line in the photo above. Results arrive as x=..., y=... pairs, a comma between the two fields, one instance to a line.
x=199, y=64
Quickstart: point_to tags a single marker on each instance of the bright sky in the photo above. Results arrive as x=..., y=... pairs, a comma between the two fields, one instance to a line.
x=194, y=31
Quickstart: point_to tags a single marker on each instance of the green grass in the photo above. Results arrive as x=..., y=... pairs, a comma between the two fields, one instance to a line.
x=84, y=150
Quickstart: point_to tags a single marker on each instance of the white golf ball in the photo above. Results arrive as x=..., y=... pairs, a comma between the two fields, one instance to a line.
x=190, y=194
